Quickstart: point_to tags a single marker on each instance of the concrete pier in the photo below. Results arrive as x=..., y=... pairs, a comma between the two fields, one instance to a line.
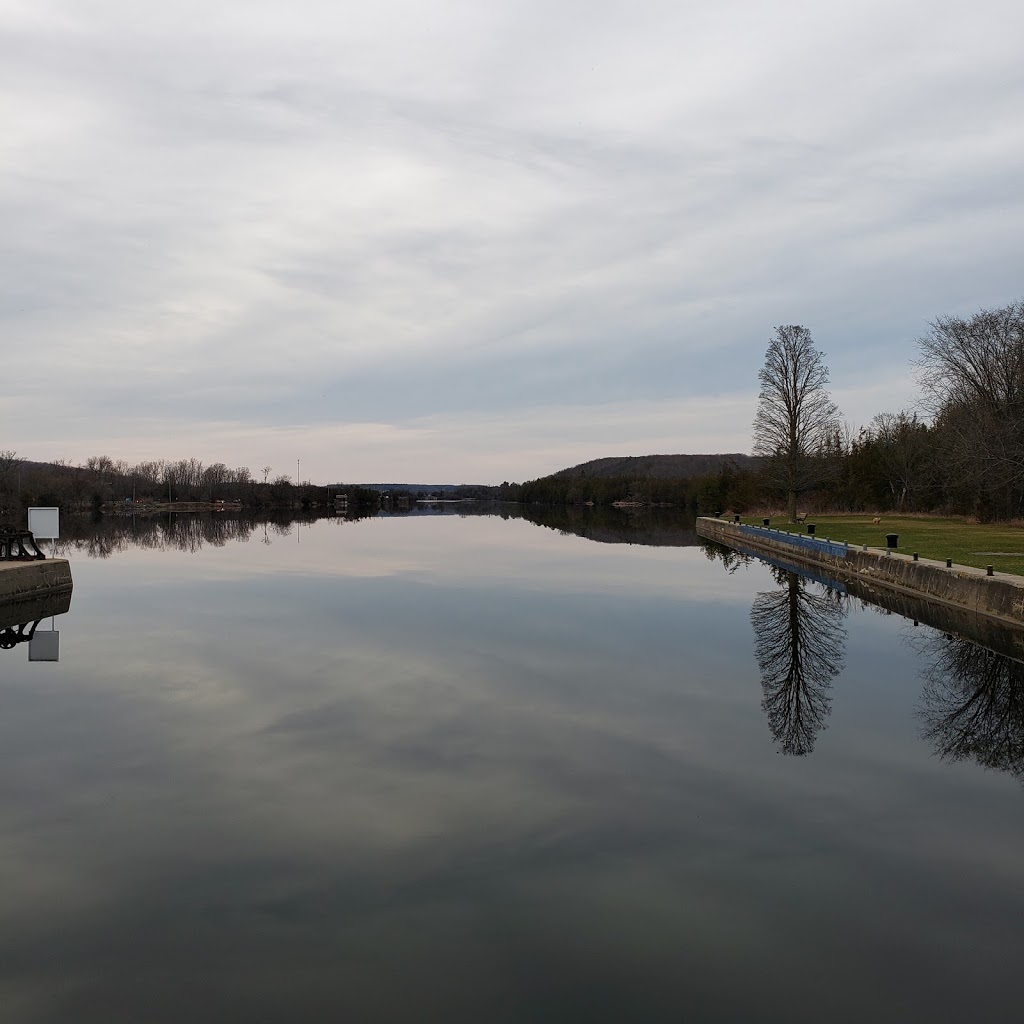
x=20, y=581
x=1000, y=596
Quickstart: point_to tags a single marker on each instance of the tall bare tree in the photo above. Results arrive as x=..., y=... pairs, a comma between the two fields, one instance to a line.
x=796, y=419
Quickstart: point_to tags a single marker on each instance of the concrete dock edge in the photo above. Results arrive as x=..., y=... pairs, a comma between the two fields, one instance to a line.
x=22, y=580
x=1000, y=596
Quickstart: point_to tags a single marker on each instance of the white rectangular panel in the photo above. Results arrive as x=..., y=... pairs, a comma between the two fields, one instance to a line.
x=44, y=523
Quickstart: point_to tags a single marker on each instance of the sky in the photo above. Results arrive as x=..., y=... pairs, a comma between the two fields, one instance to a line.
x=481, y=240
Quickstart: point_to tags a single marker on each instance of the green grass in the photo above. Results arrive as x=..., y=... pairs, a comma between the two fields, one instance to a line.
x=930, y=538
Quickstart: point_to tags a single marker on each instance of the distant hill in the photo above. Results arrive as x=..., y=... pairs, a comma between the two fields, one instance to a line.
x=658, y=467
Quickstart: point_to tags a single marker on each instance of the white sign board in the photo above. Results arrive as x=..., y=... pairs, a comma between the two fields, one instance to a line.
x=44, y=645
x=44, y=523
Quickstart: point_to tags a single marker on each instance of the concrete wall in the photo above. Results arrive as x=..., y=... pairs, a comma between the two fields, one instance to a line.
x=22, y=580
x=1000, y=596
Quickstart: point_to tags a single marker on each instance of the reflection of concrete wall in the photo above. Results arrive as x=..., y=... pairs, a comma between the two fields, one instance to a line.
x=20, y=580
x=31, y=609
x=995, y=634
x=1000, y=596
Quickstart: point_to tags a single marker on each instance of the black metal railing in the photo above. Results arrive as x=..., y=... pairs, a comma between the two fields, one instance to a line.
x=17, y=545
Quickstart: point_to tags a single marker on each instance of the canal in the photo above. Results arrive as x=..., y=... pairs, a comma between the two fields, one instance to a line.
x=446, y=768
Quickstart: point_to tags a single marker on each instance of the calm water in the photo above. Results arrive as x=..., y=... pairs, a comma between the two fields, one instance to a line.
x=474, y=769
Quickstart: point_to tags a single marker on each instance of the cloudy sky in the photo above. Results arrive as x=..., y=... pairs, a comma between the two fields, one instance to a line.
x=476, y=240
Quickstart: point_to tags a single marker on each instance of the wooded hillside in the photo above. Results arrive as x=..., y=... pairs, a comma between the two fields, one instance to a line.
x=658, y=467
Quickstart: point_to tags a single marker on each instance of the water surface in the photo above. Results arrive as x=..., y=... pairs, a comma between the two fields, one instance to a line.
x=445, y=768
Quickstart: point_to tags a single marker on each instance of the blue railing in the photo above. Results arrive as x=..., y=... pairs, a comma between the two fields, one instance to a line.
x=821, y=546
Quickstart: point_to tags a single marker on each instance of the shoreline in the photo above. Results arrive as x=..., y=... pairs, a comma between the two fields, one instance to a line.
x=999, y=596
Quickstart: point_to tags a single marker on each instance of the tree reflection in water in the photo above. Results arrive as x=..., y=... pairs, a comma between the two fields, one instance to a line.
x=972, y=704
x=729, y=557
x=190, y=532
x=799, y=639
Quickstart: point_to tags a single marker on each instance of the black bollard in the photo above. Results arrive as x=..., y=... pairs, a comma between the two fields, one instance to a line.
x=891, y=540
x=765, y=522
x=736, y=518
x=810, y=529
x=989, y=571
x=949, y=563
x=915, y=556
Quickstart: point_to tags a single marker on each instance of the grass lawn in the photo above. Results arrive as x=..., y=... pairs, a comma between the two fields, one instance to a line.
x=966, y=543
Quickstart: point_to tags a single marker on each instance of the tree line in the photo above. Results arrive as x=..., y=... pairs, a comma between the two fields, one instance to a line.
x=959, y=451
x=101, y=481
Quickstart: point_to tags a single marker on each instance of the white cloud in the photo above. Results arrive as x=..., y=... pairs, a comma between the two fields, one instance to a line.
x=258, y=227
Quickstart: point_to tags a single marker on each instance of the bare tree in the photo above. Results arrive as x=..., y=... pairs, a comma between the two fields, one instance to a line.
x=214, y=477
x=902, y=443
x=10, y=461
x=972, y=374
x=101, y=465
x=796, y=419
x=266, y=472
x=241, y=478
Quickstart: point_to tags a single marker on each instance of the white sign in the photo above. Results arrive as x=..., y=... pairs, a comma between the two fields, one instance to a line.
x=44, y=523
x=44, y=645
